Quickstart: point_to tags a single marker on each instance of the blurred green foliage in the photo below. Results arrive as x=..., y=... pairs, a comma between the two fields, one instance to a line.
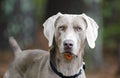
x=111, y=22
x=39, y=9
x=19, y=18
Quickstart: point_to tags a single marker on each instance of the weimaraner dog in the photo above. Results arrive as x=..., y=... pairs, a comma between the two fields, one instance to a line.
x=66, y=35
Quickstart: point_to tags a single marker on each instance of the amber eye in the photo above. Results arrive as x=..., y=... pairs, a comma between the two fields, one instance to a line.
x=61, y=27
x=77, y=28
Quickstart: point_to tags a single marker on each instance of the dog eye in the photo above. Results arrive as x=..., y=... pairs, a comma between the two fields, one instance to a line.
x=77, y=28
x=61, y=28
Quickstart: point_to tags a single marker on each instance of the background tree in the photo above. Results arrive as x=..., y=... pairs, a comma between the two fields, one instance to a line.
x=96, y=57
x=17, y=17
x=3, y=25
x=111, y=17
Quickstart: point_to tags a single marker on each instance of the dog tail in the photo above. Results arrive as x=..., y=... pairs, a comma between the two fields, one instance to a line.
x=14, y=45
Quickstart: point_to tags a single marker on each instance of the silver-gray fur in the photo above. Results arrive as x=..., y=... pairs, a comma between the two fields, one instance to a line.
x=66, y=34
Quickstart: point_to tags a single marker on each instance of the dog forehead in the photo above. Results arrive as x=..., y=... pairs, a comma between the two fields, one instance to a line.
x=70, y=19
x=64, y=19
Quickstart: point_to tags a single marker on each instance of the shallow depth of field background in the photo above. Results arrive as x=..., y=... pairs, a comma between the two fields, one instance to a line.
x=23, y=20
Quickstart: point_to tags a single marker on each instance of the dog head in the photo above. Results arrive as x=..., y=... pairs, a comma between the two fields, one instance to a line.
x=70, y=31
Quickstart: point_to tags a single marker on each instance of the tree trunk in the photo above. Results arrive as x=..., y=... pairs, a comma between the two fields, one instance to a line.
x=64, y=6
x=3, y=25
x=94, y=11
x=19, y=21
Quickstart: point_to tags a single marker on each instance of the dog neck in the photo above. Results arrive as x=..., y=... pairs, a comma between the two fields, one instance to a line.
x=66, y=67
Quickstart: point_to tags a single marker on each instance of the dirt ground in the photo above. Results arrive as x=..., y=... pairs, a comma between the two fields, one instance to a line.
x=108, y=70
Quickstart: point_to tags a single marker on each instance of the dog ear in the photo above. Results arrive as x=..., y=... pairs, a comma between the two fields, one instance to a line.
x=91, y=31
x=49, y=28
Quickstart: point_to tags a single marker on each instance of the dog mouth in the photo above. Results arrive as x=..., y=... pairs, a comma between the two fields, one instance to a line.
x=68, y=55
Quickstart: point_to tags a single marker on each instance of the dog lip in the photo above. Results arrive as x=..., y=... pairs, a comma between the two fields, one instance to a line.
x=70, y=53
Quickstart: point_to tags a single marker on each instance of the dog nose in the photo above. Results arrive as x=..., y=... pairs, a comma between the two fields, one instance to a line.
x=68, y=43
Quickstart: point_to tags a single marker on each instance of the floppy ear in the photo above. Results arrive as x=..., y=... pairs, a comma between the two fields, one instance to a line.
x=91, y=31
x=49, y=28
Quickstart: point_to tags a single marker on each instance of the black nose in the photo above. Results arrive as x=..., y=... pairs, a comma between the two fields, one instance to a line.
x=68, y=44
